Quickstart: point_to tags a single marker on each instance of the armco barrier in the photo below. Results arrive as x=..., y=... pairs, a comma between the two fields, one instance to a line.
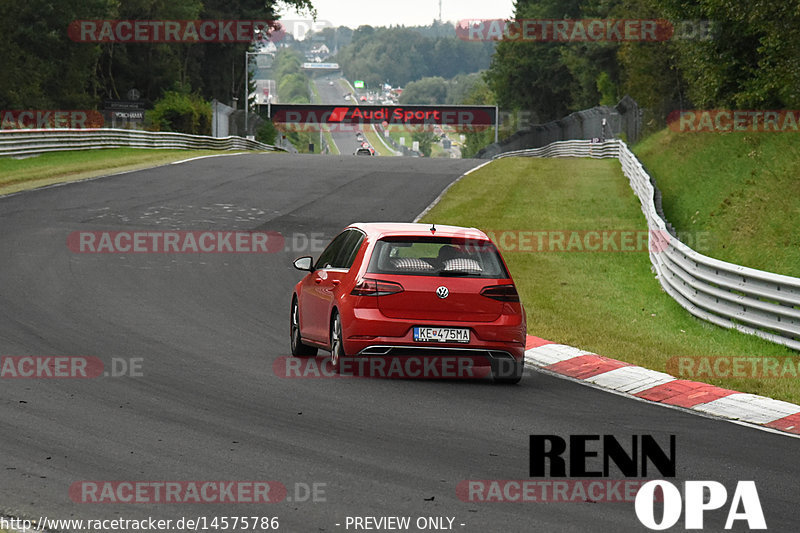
x=732, y=296
x=28, y=142
x=577, y=148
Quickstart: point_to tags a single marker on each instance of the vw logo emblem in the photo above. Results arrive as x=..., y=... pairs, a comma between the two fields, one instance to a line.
x=442, y=292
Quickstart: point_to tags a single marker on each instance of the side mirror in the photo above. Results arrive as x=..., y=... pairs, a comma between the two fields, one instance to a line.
x=304, y=263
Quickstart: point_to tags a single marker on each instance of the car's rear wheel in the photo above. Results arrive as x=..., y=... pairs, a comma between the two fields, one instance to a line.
x=507, y=372
x=337, y=348
x=298, y=348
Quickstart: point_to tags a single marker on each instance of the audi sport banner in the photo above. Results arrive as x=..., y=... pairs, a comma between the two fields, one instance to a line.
x=309, y=117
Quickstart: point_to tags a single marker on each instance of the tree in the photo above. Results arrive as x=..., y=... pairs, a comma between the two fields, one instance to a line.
x=551, y=79
x=749, y=58
x=427, y=91
x=43, y=68
x=479, y=94
x=400, y=55
x=267, y=133
x=181, y=112
x=425, y=140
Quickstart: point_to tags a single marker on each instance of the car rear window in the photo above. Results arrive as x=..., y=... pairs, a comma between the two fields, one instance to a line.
x=437, y=256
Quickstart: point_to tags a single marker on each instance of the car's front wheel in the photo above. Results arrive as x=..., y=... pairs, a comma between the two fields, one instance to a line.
x=298, y=348
x=337, y=348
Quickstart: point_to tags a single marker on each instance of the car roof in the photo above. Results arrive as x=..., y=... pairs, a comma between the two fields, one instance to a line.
x=377, y=230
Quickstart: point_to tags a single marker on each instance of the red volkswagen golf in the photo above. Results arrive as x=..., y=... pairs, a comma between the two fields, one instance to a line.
x=410, y=292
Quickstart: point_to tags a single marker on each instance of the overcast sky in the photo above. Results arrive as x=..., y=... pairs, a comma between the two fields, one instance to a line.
x=354, y=13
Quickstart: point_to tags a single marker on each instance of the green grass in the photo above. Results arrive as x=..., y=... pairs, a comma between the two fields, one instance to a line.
x=742, y=189
x=374, y=139
x=331, y=144
x=316, y=98
x=438, y=151
x=333, y=149
x=606, y=302
x=397, y=131
x=58, y=167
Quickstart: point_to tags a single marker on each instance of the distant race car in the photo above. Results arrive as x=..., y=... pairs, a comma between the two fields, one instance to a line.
x=398, y=290
x=363, y=151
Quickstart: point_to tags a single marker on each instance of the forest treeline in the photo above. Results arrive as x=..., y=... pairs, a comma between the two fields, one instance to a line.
x=44, y=68
x=400, y=55
x=734, y=55
x=719, y=54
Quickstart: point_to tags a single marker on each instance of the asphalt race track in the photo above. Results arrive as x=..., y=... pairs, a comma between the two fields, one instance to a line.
x=333, y=94
x=205, y=330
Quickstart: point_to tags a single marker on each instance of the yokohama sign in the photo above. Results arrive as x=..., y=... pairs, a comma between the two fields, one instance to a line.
x=299, y=117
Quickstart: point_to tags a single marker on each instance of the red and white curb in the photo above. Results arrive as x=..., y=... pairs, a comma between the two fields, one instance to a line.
x=661, y=388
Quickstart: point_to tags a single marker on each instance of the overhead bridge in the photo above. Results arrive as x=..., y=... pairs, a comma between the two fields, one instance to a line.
x=320, y=66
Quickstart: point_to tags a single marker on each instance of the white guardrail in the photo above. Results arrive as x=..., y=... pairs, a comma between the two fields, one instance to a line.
x=732, y=296
x=29, y=142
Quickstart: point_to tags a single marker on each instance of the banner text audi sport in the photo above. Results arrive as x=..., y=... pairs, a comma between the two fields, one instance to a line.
x=301, y=116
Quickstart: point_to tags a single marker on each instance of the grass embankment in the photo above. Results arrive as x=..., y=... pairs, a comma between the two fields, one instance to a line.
x=398, y=132
x=606, y=302
x=740, y=188
x=332, y=148
x=58, y=167
x=375, y=140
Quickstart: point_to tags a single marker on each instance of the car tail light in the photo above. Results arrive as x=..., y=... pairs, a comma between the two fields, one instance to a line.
x=503, y=293
x=375, y=287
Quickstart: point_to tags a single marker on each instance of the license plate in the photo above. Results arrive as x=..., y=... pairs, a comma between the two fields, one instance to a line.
x=434, y=334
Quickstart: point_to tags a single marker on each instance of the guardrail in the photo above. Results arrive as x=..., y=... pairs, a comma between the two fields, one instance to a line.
x=576, y=148
x=728, y=295
x=29, y=142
